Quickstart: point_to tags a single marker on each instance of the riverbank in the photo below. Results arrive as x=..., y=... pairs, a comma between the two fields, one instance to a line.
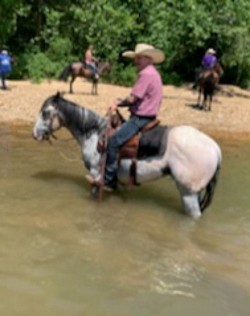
x=229, y=118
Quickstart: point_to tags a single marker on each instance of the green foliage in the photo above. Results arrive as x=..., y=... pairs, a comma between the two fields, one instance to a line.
x=46, y=35
x=124, y=76
x=39, y=66
x=172, y=78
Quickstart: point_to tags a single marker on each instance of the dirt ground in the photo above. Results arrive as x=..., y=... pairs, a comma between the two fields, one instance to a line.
x=229, y=118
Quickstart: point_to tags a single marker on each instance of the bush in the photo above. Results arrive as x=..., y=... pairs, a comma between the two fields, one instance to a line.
x=122, y=76
x=172, y=78
x=59, y=50
x=39, y=66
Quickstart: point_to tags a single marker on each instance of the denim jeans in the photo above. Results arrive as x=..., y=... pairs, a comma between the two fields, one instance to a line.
x=93, y=68
x=3, y=79
x=125, y=132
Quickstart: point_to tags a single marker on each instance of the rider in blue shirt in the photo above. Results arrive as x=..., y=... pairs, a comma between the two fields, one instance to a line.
x=5, y=67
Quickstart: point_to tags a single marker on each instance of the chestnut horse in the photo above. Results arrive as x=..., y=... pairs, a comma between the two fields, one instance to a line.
x=78, y=69
x=207, y=83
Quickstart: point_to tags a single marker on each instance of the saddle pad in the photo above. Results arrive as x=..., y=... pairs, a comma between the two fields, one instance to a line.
x=152, y=142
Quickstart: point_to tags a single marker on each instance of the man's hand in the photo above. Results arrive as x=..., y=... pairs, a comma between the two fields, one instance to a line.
x=113, y=106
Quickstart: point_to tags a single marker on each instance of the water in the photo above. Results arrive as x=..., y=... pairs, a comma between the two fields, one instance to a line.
x=135, y=253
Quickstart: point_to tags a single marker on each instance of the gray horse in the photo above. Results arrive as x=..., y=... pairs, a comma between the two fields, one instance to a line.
x=190, y=157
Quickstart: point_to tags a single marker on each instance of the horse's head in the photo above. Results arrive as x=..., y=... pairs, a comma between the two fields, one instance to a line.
x=103, y=66
x=218, y=68
x=48, y=120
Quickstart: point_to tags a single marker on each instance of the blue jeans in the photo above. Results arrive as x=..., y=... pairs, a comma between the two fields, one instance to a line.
x=93, y=68
x=3, y=79
x=125, y=132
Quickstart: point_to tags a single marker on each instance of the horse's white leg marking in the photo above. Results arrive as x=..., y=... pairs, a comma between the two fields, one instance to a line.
x=190, y=201
x=91, y=157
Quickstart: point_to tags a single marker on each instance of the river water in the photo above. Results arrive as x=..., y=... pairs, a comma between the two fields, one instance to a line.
x=133, y=254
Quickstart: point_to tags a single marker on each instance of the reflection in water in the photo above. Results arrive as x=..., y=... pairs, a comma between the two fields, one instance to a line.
x=135, y=253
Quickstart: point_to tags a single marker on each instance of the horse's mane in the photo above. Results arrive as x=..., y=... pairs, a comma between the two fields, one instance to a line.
x=77, y=116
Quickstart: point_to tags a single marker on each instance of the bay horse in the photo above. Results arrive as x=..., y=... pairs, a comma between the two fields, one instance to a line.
x=79, y=69
x=189, y=156
x=207, y=84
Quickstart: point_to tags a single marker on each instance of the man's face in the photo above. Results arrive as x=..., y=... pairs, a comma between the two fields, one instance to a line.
x=141, y=62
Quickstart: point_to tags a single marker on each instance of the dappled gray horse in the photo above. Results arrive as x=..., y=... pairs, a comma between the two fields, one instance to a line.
x=190, y=157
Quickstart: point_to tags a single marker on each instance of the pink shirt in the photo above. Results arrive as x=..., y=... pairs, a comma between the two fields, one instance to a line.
x=148, y=89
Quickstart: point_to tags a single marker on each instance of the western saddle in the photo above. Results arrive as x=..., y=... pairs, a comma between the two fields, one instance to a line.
x=129, y=150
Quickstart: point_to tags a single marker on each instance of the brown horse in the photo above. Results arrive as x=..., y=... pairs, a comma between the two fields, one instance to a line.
x=207, y=84
x=78, y=69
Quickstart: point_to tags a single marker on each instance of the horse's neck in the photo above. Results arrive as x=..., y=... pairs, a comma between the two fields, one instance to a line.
x=218, y=69
x=102, y=67
x=81, y=122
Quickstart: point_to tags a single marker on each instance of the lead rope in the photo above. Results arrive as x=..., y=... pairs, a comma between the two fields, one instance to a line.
x=63, y=155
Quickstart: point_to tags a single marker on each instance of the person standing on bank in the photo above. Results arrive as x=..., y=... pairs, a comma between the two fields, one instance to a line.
x=143, y=103
x=5, y=67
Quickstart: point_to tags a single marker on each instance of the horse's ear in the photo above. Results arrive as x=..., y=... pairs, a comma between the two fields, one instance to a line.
x=57, y=96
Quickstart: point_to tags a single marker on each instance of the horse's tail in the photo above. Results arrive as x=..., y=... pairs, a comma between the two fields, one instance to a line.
x=207, y=197
x=65, y=73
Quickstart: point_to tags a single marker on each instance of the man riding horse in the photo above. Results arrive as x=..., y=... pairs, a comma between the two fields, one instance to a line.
x=209, y=60
x=90, y=61
x=143, y=102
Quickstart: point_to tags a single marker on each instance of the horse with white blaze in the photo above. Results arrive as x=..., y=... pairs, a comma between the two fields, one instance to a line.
x=190, y=157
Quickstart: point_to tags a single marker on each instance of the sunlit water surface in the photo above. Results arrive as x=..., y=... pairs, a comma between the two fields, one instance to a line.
x=135, y=253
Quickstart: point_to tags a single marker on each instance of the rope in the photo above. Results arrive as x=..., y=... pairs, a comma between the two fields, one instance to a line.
x=64, y=155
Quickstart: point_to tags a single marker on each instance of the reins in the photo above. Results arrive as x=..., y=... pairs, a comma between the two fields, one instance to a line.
x=67, y=158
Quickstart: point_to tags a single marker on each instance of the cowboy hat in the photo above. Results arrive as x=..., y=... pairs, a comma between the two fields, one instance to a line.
x=4, y=52
x=211, y=51
x=156, y=55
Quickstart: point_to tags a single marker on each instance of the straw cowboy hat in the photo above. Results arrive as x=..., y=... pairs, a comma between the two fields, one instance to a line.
x=156, y=55
x=211, y=51
x=4, y=52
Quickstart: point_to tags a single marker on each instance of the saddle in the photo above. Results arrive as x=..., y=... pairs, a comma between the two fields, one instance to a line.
x=130, y=150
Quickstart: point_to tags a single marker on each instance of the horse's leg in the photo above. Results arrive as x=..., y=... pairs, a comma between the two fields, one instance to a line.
x=71, y=84
x=190, y=201
x=193, y=165
x=96, y=92
x=94, y=87
x=199, y=98
x=204, y=104
x=210, y=102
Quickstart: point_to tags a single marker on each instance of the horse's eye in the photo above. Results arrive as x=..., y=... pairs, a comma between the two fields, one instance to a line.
x=45, y=115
